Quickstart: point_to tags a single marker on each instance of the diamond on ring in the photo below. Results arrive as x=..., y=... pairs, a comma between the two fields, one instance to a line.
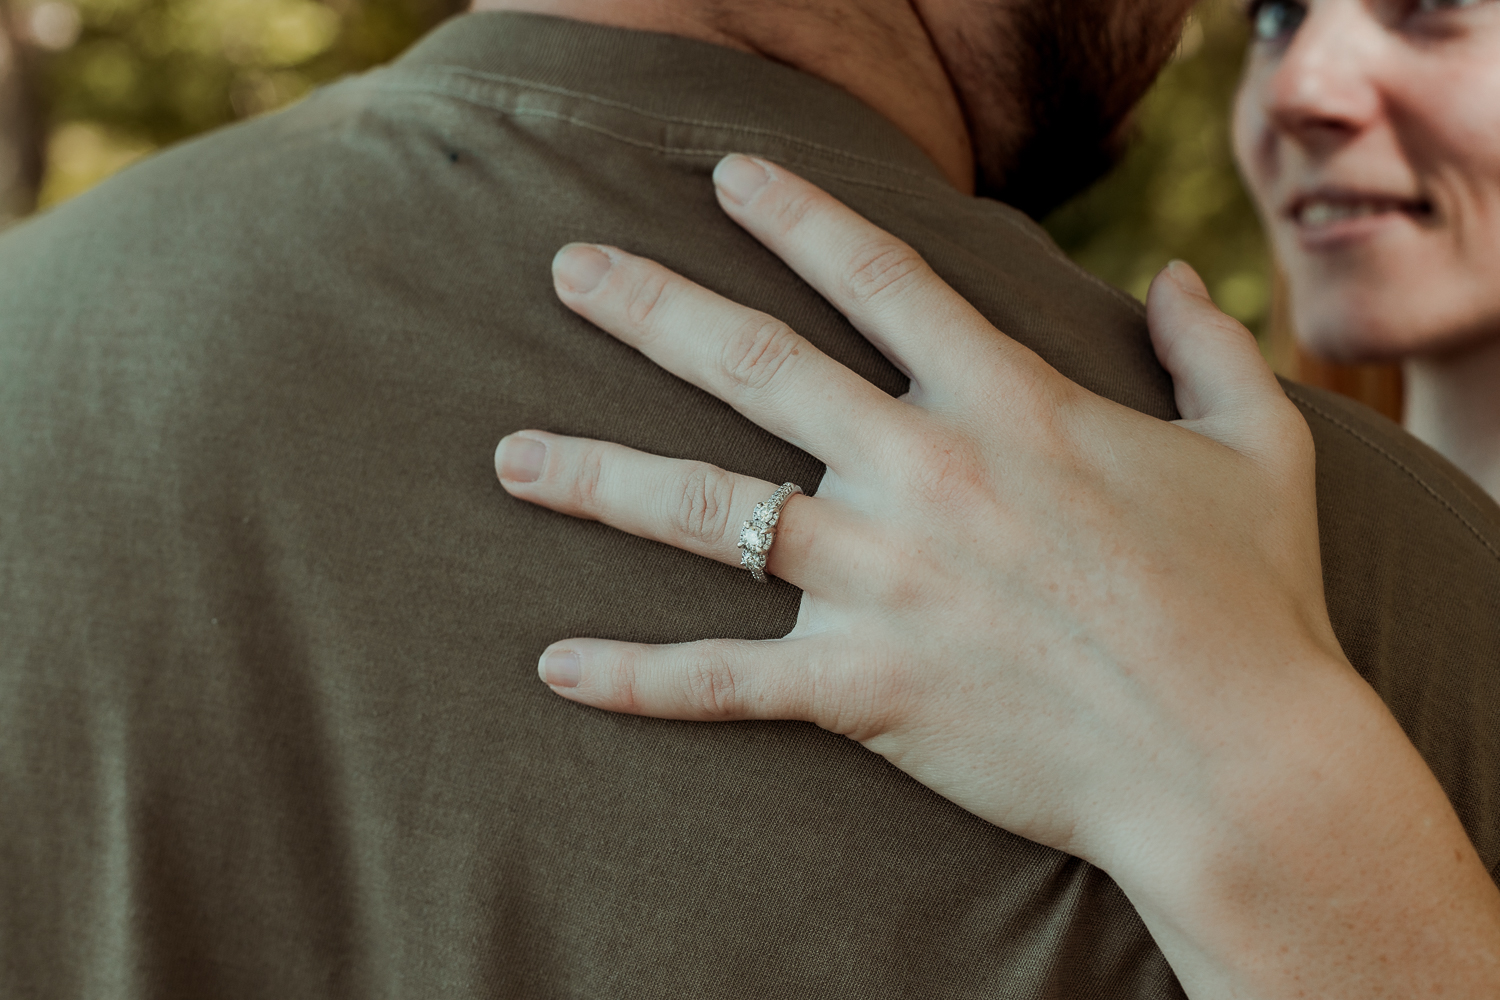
x=757, y=534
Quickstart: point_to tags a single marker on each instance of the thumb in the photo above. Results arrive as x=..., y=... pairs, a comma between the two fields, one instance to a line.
x=1221, y=381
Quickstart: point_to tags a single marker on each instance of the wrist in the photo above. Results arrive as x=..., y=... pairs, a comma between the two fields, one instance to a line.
x=1323, y=858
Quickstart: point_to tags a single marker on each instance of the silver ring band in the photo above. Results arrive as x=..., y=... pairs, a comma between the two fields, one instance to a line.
x=757, y=534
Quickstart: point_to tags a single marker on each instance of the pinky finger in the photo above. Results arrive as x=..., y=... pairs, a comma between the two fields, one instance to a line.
x=717, y=680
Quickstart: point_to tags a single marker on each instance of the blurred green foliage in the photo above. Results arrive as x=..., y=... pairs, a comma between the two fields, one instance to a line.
x=124, y=77
x=129, y=76
x=1177, y=193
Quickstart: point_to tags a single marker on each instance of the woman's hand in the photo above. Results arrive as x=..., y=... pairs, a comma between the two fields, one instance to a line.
x=999, y=552
x=1098, y=630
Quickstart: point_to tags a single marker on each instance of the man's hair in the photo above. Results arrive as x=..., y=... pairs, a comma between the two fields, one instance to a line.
x=1071, y=72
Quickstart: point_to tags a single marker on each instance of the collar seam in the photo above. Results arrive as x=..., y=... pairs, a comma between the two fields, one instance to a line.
x=1297, y=396
x=386, y=82
x=658, y=147
x=755, y=130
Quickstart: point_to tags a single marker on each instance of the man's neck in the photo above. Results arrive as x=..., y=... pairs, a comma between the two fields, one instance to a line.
x=878, y=51
x=1453, y=404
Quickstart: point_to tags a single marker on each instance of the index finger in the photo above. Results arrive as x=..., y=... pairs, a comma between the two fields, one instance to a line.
x=878, y=282
x=754, y=362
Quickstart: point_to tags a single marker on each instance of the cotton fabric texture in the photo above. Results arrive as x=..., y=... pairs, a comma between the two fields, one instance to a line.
x=270, y=724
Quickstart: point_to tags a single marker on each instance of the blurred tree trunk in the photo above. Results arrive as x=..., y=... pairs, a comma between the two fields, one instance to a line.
x=1377, y=386
x=21, y=126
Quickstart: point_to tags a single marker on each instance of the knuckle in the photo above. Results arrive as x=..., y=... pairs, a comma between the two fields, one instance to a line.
x=625, y=694
x=1289, y=431
x=645, y=295
x=588, y=478
x=757, y=351
x=703, y=504
x=793, y=209
x=1221, y=322
x=711, y=685
x=882, y=267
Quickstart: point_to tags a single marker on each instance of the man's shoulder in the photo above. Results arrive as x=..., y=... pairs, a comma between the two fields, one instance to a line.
x=1411, y=562
x=188, y=223
x=1411, y=545
x=1411, y=466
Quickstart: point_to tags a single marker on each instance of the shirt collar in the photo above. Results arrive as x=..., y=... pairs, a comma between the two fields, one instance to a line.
x=678, y=80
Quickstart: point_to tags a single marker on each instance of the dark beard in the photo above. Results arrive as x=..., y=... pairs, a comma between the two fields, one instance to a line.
x=1062, y=83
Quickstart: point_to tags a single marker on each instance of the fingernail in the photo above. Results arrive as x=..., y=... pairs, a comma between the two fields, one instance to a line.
x=740, y=177
x=560, y=668
x=1186, y=278
x=579, y=267
x=520, y=459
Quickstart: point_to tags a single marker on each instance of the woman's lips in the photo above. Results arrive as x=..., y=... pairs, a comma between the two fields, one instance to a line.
x=1325, y=220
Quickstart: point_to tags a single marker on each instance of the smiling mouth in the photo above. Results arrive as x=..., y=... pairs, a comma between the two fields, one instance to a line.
x=1322, y=211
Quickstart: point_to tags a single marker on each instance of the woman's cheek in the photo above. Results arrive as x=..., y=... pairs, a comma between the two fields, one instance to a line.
x=1254, y=141
x=1454, y=112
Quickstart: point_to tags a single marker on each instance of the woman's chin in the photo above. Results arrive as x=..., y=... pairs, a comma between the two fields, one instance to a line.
x=1389, y=314
x=1360, y=329
x=1390, y=288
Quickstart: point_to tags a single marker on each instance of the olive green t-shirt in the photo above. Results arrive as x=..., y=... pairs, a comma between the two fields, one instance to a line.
x=270, y=724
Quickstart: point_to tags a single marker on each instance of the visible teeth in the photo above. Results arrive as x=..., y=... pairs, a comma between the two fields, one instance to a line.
x=1324, y=213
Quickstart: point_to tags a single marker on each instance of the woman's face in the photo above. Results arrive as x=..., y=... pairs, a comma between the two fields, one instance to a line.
x=1369, y=133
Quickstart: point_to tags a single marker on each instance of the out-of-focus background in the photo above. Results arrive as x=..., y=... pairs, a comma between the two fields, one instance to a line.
x=89, y=86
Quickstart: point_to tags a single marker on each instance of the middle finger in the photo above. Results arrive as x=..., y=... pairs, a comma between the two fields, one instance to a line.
x=752, y=361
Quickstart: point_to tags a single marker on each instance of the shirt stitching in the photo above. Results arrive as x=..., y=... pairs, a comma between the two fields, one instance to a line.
x=702, y=123
x=434, y=87
x=1129, y=300
x=463, y=73
x=642, y=143
x=1398, y=464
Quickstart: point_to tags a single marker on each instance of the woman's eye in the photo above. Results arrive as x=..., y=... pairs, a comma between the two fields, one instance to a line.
x=1275, y=20
x=1430, y=6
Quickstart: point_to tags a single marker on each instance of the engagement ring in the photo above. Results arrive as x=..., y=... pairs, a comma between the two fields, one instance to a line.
x=757, y=534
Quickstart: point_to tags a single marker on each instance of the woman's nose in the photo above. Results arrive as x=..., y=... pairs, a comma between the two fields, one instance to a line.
x=1325, y=89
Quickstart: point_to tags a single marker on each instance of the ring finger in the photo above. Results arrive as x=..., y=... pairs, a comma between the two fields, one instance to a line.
x=689, y=505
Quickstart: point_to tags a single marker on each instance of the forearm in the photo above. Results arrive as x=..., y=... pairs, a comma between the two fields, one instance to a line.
x=1333, y=866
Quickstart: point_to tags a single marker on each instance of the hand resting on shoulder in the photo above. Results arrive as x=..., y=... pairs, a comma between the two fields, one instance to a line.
x=1093, y=628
